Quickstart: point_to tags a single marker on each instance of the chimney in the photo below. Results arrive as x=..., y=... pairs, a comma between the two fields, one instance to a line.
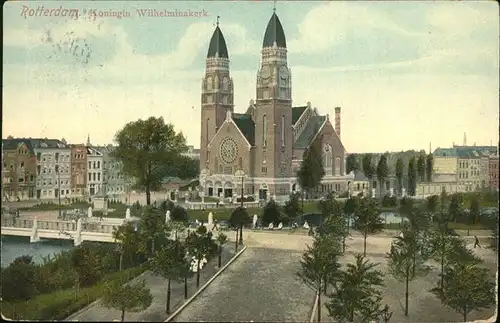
x=337, y=121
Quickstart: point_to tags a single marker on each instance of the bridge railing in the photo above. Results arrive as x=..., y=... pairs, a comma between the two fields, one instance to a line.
x=16, y=223
x=59, y=225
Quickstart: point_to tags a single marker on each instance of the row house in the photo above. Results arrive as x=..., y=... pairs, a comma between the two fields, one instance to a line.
x=78, y=170
x=114, y=181
x=95, y=166
x=53, y=168
x=19, y=169
x=493, y=172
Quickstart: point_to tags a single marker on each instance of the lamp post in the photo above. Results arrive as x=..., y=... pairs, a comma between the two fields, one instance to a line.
x=241, y=173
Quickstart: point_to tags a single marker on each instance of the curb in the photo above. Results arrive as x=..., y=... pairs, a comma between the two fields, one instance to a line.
x=315, y=307
x=202, y=288
x=94, y=303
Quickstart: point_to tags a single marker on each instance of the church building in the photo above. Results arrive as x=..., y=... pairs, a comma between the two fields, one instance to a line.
x=262, y=148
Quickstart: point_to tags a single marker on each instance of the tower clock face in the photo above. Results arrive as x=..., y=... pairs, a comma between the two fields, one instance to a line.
x=265, y=72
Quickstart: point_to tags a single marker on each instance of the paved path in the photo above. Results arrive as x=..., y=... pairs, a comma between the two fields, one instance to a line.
x=158, y=287
x=259, y=286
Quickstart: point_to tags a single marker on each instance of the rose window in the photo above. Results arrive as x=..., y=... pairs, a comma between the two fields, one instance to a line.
x=228, y=150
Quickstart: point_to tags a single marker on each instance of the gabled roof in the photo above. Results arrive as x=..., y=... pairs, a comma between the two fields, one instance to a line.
x=217, y=47
x=246, y=125
x=13, y=144
x=466, y=151
x=47, y=143
x=91, y=151
x=274, y=33
x=311, y=128
x=296, y=113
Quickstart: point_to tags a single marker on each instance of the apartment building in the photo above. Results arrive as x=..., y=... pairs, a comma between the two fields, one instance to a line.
x=95, y=163
x=19, y=170
x=493, y=172
x=78, y=170
x=114, y=181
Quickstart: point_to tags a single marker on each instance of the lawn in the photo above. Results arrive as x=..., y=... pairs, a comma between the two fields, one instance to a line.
x=55, y=206
x=60, y=304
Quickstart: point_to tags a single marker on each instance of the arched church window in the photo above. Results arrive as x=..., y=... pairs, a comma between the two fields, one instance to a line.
x=282, y=131
x=264, y=130
x=337, y=166
x=209, y=83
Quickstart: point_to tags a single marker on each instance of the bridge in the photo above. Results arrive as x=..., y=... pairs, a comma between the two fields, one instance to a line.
x=85, y=229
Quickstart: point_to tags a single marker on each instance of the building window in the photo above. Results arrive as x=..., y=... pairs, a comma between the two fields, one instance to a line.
x=337, y=165
x=264, y=130
x=264, y=170
x=22, y=164
x=90, y=177
x=98, y=164
x=282, y=131
x=98, y=176
x=57, y=157
x=90, y=165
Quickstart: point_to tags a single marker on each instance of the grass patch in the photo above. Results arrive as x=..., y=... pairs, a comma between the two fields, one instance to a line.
x=61, y=304
x=55, y=206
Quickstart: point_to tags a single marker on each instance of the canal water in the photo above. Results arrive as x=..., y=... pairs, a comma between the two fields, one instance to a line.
x=14, y=247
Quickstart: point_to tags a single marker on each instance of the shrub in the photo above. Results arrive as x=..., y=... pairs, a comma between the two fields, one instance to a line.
x=344, y=194
x=388, y=201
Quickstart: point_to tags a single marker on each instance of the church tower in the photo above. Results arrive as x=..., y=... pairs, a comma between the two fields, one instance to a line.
x=273, y=114
x=217, y=93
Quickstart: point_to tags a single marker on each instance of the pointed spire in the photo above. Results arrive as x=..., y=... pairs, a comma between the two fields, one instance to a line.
x=217, y=47
x=274, y=33
x=88, y=139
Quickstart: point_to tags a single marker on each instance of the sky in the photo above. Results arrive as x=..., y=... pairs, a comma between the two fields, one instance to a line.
x=406, y=74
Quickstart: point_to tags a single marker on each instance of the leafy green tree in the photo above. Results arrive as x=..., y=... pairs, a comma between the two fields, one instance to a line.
x=187, y=167
x=432, y=204
x=352, y=163
x=350, y=207
x=152, y=224
x=271, y=213
x=421, y=162
x=319, y=266
x=167, y=263
x=85, y=268
x=406, y=206
x=429, y=166
x=412, y=177
x=368, y=220
x=18, y=280
x=292, y=208
x=382, y=171
x=357, y=293
x=405, y=263
x=167, y=205
x=455, y=208
x=467, y=288
x=179, y=214
x=311, y=170
x=238, y=219
x=399, y=174
x=128, y=241
x=334, y=221
x=221, y=240
x=474, y=211
x=185, y=271
x=199, y=245
x=149, y=150
x=127, y=297
x=368, y=169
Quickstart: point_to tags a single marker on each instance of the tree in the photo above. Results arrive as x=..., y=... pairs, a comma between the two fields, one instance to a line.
x=221, y=240
x=467, y=288
x=152, y=224
x=167, y=263
x=352, y=163
x=455, y=208
x=149, y=150
x=350, y=207
x=474, y=211
x=356, y=293
x=129, y=297
x=18, y=279
x=334, y=223
x=271, y=213
x=368, y=169
x=421, y=162
x=128, y=241
x=85, y=268
x=238, y=219
x=429, y=166
x=399, y=173
x=432, y=204
x=311, y=168
x=368, y=220
x=318, y=265
x=199, y=246
x=179, y=214
x=292, y=208
x=382, y=171
x=412, y=177
x=187, y=167
x=405, y=263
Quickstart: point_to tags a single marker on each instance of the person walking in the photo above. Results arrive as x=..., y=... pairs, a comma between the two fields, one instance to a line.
x=476, y=242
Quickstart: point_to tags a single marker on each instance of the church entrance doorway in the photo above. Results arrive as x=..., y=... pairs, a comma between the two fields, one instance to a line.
x=263, y=194
x=210, y=191
x=228, y=192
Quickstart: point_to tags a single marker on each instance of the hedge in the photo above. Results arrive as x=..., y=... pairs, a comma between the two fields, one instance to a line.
x=61, y=304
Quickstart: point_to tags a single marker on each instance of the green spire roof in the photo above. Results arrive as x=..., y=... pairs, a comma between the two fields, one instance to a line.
x=274, y=33
x=217, y=45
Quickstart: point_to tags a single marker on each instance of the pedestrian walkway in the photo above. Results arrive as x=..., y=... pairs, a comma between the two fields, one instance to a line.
x=158, y=285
